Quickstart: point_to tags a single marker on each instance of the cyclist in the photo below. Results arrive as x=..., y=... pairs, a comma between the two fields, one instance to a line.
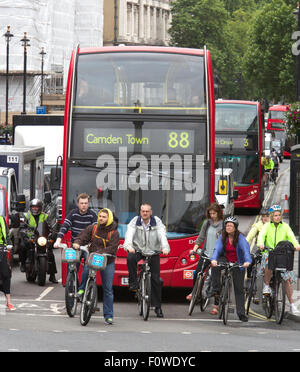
x=257, y=227
x=268, y=168
x=209, y=233
x=146, y=234
x=233, y=247
x=272, y=233
x=77, y=220
x=33, y=218
x=276, y=162
x=102, y=237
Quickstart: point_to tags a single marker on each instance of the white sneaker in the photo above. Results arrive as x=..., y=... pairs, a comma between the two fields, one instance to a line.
x=267, y=290
x=294, y=310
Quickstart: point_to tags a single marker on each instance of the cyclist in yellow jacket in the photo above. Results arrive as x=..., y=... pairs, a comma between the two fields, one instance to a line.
x=272, y=233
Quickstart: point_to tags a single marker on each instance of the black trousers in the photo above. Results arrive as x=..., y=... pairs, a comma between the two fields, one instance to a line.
x=238, y=284
x=154, y=263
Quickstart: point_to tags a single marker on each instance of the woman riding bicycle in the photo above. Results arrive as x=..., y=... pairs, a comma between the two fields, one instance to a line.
x=272, y=233
x=233, y=247
x=209, y=233
x=102, y=237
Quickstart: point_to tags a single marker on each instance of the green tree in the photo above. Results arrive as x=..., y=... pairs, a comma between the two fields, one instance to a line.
x=268, y=62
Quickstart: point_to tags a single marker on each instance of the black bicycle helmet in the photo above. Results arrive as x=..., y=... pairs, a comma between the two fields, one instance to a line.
x=231, y=219
x=36, y=203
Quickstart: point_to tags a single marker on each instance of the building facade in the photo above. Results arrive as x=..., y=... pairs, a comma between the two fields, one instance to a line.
x=57, y=26
x=136, y=22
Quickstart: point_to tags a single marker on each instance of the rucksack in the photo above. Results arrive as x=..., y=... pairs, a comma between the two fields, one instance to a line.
x=109, y=235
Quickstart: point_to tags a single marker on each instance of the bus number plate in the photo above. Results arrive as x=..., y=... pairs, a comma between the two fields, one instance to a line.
x=124, y=281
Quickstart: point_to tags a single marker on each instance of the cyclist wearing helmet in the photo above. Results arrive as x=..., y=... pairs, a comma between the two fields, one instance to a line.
x=32, y=219
x=232, y=246
x=257, y=227
x=272, y=233
x=268, y=167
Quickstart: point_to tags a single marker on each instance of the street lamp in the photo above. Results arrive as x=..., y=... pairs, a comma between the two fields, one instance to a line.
x=42, y=53
x=25, y=44
x=8, y=35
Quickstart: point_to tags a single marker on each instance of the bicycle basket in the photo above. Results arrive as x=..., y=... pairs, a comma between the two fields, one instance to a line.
x=97, y=261
x=282, y=257
x=70, y=255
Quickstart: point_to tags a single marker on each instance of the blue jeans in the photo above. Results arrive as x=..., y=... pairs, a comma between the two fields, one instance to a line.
x=107, y=277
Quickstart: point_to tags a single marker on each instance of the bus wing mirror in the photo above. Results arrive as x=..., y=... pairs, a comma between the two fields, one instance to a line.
x=20, y=203
x=47, y=198
x=235, y=194
x=55, y=178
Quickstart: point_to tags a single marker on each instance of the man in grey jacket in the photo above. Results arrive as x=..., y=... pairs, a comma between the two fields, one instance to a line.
x=146, y=234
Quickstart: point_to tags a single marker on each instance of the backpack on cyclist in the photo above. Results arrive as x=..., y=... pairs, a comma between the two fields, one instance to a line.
x=282, y=256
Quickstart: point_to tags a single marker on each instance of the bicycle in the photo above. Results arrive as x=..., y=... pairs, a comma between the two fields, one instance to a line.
x=252, y=287
x=275, y=302
x=225, y=296
x=95, y=262
x=143, y=293
x=199, y=293
x=72, y=258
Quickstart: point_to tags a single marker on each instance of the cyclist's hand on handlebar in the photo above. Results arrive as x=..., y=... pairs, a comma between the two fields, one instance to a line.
x=214, y=263
x=76, y=246
x=261, y=247
x=165, y=252
x=246, y=264
x=131, y=250
x=57, y=243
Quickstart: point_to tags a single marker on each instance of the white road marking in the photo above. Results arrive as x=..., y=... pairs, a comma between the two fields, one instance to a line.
x=45, y=293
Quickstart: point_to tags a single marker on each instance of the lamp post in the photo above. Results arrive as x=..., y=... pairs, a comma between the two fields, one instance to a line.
x=8, y=35
x=42, y=53
x=25, y=44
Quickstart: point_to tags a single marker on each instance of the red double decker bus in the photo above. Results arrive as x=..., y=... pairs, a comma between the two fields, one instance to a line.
x=276, y=126
x=139, y=127
x=239, y=146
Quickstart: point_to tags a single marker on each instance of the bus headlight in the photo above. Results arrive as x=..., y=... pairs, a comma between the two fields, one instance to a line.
x=192, y=257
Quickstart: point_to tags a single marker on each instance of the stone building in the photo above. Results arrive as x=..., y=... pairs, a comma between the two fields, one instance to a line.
x=136, y=22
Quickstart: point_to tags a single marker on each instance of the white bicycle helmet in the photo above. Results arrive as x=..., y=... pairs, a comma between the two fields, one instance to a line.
x=275, y=208
x=231, y=219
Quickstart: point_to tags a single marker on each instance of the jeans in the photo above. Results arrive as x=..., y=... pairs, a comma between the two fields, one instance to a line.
x=107, y=277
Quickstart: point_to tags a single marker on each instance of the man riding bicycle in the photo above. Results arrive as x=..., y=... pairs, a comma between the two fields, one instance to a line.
x=146, y=234
x=268, y=168
x=272, y=233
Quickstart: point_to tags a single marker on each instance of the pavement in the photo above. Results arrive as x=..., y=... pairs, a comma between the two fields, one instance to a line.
x=279, y=197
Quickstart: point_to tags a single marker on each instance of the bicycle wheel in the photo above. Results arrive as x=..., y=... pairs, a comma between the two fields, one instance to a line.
x=226, y=300
x=250, y=292
x=268, y=305
x=146, y=295
x=139, y=296
x=204, y=288
x=70, y=294
x=279, y=301
x=88, y=302
x=195, y=294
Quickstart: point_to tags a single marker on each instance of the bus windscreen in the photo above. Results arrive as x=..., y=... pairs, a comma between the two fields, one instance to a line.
x=233, y=117
x=140, y=82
